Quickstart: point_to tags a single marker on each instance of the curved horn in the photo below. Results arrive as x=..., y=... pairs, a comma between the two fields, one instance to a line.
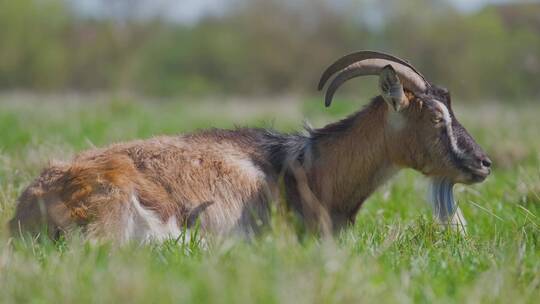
x=347, y=60
x=408, y=76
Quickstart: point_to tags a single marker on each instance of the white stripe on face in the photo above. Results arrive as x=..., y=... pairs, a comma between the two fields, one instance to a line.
x=448, y=124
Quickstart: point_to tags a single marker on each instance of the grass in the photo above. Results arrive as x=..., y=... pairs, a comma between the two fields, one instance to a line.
x=395, y=253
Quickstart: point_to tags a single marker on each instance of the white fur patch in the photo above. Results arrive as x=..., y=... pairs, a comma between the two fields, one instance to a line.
x=145, y=226
x=448, y=123
x=248, y=168
x=396, y=120
x=227, y=213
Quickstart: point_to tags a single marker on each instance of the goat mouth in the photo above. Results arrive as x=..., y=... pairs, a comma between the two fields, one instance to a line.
x=478, y=174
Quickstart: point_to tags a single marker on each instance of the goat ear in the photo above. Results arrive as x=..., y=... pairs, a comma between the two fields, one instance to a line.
x=392, y=89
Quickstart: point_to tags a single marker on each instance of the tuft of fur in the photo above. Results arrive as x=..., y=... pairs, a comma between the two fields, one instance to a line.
x=445, y=209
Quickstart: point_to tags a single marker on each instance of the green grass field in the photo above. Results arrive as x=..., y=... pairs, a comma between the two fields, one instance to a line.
x=395, y=253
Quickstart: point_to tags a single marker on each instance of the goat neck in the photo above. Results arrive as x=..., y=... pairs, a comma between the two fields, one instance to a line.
x=352, y=161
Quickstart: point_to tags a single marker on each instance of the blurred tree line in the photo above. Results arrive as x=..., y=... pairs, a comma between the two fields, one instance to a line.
x=264, y=46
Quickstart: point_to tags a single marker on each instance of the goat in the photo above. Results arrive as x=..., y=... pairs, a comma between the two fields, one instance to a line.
x=228, y=179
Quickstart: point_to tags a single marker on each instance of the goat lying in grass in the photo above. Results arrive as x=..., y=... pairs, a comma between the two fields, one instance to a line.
x=228, y=179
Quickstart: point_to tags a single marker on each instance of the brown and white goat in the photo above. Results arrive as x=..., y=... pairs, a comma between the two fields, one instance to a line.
x=228, y=179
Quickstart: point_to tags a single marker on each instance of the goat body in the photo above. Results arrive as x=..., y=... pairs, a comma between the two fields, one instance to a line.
x=227, y=179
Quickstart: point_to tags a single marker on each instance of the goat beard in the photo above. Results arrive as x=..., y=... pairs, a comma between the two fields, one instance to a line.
x=441, y=197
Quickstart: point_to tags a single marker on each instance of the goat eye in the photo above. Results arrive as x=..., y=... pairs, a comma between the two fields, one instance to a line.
x=436, y=120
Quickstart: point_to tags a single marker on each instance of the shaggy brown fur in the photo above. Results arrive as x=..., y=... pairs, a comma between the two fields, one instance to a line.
x=171, y=176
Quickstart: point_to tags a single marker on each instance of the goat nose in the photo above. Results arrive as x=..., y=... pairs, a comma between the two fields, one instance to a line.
x=485, y=161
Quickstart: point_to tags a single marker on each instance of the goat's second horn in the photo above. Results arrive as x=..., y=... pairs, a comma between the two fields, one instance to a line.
x=365, y=63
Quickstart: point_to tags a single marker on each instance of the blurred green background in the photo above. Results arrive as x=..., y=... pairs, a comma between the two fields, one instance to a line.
x=479, y=49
